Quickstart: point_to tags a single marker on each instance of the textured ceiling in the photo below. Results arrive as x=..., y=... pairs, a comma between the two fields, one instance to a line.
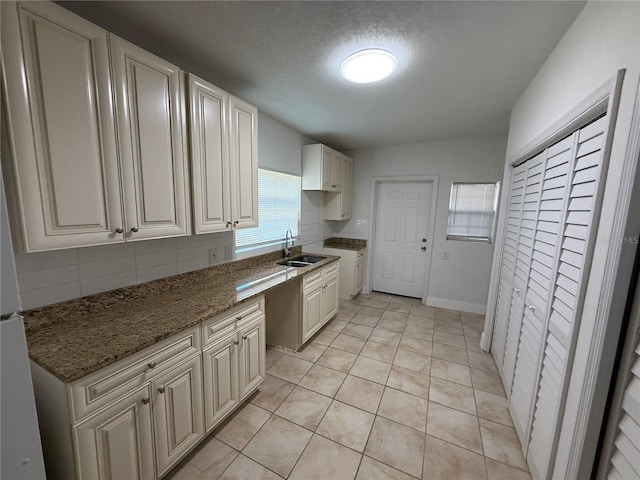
x=461, y=65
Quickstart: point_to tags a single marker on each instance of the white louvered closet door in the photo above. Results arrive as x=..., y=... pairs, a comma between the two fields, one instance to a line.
x=625, y=458
x=580, y=224
x=508, y=266
x=553, y=204
x=531, y=201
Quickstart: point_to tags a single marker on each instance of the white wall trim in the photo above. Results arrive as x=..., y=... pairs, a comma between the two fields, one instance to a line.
x=587, y=110
x=596, y=352
x=469, y=307
x=375, y=181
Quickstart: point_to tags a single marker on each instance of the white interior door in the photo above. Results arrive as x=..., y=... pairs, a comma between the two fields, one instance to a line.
x=402, y=242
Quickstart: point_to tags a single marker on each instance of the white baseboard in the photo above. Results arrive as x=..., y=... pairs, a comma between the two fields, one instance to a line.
x=479, y=308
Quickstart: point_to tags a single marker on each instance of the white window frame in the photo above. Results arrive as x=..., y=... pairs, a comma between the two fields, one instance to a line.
x=264, y=246
x=474, y=238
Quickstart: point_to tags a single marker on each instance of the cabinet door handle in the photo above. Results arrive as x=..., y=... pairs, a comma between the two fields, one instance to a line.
x=161, y=389
x=228, y=224
x=236, y=342
x=119, y=230
x=517, y=290
x=424, y=249
x=146, y=400
x=532, y=308
x=236, y=223
x=151, y=365
x=239, y=317
x=134, y=229
x=244, y=337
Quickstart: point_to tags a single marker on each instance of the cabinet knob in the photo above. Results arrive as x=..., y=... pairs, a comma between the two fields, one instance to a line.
x=151, y=365
x=424, y=249
x=236, y=223
x=228, y=224
x=236, y=342
x=134, y=229
x=161, y=389
x=532, y=308
x=244, y=337
x=146, y=400
x=239, y=318
x=517, y=290
x=119, y=230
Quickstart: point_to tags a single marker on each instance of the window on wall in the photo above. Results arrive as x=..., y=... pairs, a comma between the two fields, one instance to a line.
x=278, y=210
x=472, y=211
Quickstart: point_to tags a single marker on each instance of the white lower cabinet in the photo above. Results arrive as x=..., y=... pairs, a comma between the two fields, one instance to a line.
x=221, y=380
x=319, y=299
x=137, y=418
x=177, y=412
x=234, y=363
x=117, y=443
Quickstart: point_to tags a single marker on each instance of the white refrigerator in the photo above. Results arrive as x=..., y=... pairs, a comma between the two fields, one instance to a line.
x=21, y=450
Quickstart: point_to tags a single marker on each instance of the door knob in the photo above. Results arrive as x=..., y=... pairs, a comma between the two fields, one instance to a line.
x=424, y=249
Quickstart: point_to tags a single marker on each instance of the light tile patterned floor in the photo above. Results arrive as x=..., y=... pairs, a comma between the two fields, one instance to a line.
x=389, y=389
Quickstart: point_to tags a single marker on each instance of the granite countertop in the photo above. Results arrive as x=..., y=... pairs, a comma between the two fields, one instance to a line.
x=78, y=337
x=355, y=244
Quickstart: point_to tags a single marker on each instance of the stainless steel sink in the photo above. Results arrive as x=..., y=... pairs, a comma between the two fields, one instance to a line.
x=294, y=263
x=302, y=261
x=308, y=258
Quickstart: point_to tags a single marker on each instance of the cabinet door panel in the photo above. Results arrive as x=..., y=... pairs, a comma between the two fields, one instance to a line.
x=336, y=172
x=209, y=156
x=149, y=94
x=117, y=443
x=327, y=164
x=252, y=356
x=62, y=127
x=177, y=412
x=244, y=163
x=347, y=166
x=330, y=299
x=220, y=380
x=359, y=274
x=313, y=315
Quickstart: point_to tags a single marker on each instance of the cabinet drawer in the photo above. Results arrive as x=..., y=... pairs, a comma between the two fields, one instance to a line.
x=331, y=271
x=104, y=386
x=222, y=325
x=312, y=280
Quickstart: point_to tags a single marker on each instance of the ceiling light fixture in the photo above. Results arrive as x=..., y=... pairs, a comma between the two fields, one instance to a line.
x=368, y=66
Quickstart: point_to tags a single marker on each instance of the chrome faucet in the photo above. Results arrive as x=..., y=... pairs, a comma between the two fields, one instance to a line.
x=287, y=248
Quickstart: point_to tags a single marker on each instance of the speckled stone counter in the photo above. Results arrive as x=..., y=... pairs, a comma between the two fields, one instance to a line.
x=345, y=243
x=78, y=337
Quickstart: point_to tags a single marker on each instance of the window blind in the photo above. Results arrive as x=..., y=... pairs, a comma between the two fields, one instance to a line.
x=472, y=211
x=278, y=210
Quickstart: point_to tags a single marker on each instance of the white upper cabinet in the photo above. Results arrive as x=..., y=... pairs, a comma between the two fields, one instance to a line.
x=150, y=114
x=61, y=167
x=224, y=151
x=332, y=172
x=209, y=129
x=321, y=168
x=243, y=153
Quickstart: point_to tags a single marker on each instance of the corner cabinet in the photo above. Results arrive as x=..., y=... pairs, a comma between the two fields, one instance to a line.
x=329, y=171
x=137, y=418
x=224, y=159
x=81, y=169
x=151, y=132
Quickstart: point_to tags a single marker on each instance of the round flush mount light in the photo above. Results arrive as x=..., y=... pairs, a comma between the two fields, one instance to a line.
x=368, y=66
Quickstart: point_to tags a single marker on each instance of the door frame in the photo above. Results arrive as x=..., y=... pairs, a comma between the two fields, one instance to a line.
x=373, y=211
x=589, y=377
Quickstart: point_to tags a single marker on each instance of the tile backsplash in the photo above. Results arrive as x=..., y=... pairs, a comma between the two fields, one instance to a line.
x=50, y=277
x=56, y=276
